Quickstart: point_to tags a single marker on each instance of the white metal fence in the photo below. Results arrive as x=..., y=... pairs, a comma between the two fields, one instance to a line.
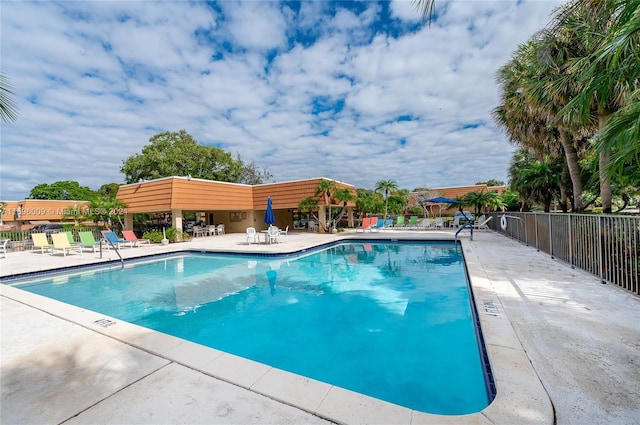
x=606, y=245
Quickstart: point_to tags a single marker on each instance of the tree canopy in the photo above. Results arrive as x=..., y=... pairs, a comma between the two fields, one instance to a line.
x=179, y=154
x=62, y=190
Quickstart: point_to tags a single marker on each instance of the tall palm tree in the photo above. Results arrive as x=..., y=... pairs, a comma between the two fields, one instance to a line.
x=600, y=89
x=8, y=109
x=386, y=187
x=610, y=77
x=528, y=112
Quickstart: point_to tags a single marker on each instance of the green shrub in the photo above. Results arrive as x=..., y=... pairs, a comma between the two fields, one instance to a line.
x=154, y=237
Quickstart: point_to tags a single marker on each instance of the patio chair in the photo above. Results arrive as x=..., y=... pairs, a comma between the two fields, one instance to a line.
x=113, y=239
x=413, y=222
x=4, y=243
x=425, y=224
x=130, y=236
x=87, y=241
x=252, y=235
x=366, y=223
x=72, y=241
x=284, y=233
x=220, y=229
x=61, y=243
x=483, y=225
x=212, y=230
x=273, y=234
x=40, y=241
x=379, y=225
x=373, y=224
x=438, y=223
x=400, y=221
x=456, y=222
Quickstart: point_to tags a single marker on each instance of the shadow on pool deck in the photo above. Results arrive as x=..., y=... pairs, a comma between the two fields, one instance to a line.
x=581, y=338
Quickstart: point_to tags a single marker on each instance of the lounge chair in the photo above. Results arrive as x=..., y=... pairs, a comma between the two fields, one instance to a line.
x=252, y=235
x=40, y=241
x=400, y=221
x=483, y=224
x=87, y=241
x=130, y=236
x=72, y=241
x=113, y=239
x=379, y=225
x=413, y=222
x=438, y=223
x=366, y=224
x=373, y=224
x=61, y=243
x=425, y=224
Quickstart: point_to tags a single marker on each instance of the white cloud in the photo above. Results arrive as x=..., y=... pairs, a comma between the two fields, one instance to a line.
x=95, y=80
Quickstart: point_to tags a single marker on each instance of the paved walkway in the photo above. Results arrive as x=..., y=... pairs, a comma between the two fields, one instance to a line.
x=581, y=337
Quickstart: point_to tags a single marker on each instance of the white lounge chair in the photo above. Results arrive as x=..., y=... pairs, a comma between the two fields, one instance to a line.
x=482, y=224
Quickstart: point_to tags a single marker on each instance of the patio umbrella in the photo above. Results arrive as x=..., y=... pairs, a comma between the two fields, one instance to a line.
x=269, y=218
x=442, y=200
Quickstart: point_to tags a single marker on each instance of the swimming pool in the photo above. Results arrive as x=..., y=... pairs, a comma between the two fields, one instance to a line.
x=391, y=320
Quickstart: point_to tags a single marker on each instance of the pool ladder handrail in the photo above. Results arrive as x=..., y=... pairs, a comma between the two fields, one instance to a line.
x=462, y=227
x=114, y=248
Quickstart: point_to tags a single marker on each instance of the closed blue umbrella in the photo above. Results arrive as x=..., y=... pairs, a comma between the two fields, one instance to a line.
x=269, y=218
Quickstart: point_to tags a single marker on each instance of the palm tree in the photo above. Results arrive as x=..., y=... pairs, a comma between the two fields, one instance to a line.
x=386, y=187
x=608, y=73
x=540, y=63
x=327, y=189
x=8, y=109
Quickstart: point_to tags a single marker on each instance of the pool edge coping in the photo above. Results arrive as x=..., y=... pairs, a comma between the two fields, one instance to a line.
x=520, y=397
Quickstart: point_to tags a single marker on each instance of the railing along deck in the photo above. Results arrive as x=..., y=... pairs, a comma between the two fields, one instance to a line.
x=607, y=246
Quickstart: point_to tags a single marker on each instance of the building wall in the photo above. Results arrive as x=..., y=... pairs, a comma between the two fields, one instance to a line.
x=40, y=210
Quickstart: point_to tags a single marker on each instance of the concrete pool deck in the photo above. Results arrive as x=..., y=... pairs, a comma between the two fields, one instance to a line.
x=563, y=349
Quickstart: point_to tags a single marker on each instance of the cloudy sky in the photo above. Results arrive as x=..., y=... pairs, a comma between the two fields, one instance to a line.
x=357, y=91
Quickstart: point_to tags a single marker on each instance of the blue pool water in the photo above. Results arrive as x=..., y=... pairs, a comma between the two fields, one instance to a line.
x=390, y=320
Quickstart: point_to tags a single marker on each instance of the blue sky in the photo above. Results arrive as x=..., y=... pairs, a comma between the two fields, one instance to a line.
x=357, y=91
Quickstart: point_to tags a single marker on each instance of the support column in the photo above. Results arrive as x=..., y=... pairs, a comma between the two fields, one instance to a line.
x=176, y=222
x=128, y=221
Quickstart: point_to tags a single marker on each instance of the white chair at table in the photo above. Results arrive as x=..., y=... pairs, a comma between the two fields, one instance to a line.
x=212, y=230
x=221, y=229
x=252, y=235
x=273, y=234
x=284, y=233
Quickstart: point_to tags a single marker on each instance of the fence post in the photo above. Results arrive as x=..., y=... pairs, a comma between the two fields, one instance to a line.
x=600, y=253
x=535, y=222
x=570, y=243
x=550, y=237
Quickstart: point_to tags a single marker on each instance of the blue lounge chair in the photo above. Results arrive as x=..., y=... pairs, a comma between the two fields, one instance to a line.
x=113, y=239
